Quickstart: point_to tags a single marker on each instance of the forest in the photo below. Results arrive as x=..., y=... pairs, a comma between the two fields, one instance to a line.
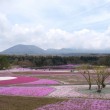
x=41, y=61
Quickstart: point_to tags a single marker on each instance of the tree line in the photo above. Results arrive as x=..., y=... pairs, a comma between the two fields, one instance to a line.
x=39, y=61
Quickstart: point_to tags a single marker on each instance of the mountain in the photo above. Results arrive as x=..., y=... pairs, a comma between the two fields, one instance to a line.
x=34, y=50
x=60, y=51
x=78, y=51
x=23, y=49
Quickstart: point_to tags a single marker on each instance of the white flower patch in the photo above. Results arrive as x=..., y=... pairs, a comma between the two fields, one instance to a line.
x=70, y=91
x=7, y=78
x=66, y=91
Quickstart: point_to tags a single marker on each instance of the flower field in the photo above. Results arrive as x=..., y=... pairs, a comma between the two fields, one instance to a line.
x=51, y=72
x=18, y=80
x=7, y=78
x=56, y=84
x=21, y=90
x=64, y=78
x=26, y=91
x=62, y=68
x=70, y=91
x=20, y=69
x=25, y=80
x=44, y=81
x=66, y=91
x=79, y=104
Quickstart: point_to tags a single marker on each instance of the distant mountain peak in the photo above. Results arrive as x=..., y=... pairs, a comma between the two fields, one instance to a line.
x=22, y=49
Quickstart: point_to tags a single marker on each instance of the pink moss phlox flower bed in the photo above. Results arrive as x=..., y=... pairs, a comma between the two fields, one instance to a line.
x=18, y=80
x=26, y=91
x=43, y=81
x=79, y=104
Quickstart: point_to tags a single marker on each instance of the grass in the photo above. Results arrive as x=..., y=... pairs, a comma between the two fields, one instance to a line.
x=25, y=103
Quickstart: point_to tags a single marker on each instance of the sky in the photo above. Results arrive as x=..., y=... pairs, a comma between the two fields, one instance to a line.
x=77, y=24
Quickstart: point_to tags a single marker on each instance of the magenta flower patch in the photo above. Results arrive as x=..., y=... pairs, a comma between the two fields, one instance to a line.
x=26, y=91
x=18, y=80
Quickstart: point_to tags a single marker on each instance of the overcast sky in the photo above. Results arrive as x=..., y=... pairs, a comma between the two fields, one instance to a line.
x=55, y=23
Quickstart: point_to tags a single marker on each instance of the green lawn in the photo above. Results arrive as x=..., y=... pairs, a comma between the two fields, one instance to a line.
x=25, y=103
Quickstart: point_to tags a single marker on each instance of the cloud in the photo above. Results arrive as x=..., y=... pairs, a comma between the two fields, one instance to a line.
x=4, y=23
x=55, y=24
x=62, y=14
x=51, y=38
